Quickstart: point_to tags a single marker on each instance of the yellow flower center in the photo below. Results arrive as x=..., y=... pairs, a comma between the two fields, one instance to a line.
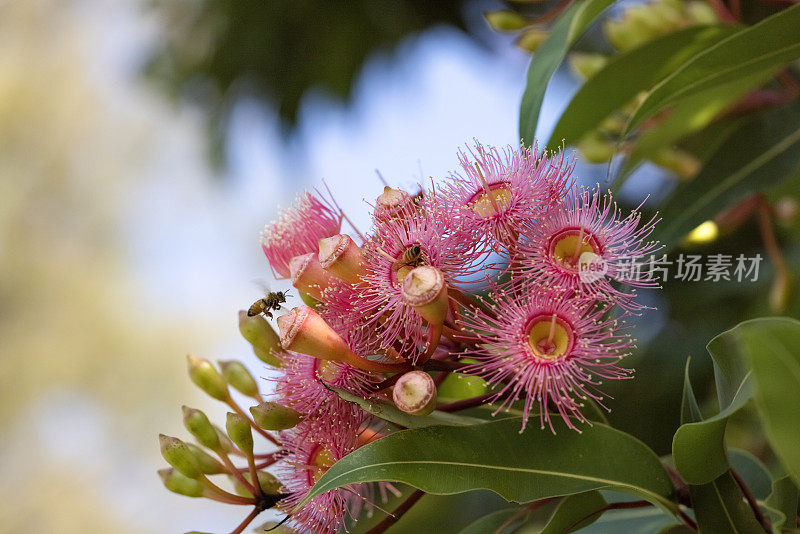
x=321, y=460
x=550, y=337
x=491, y=201
x=568, y=245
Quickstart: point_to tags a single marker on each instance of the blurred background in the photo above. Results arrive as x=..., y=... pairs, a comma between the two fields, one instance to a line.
x=144, y=144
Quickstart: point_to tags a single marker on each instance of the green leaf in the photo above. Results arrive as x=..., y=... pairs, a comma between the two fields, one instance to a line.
x=719, y=506
x=698, y=447
x=633, y=521
x=572, y=513
x=755, y=474
x=390, y=412
x=567, y=29
x=492, y=523
x=772, y=347
x=687, y=116
x=762, y=47
x=784, y=498
x=520, y=467
x=760, y=154
x=628, y=74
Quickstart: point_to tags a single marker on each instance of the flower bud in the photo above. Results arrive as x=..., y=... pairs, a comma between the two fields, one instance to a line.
x=180, y=456
x=239, y=431
x=595, y=147
x=224, y=441
x=269, y=484
x=308, y=276
x=257, y=331
x=273, y=416
x=304, y=330
x=392, y=203
x=177, y=483
x=207, y=378
x=587, y=65
x=201, y=428
x=415, y=393
x=532, y=39
x=208, y=464
x=425, y=290
x=505, y=21
x=237, y=375
x=340, y=256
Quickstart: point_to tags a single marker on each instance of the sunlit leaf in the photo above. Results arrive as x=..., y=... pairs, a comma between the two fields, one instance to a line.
x=626, y=75
x=758, y=48
x=567, y=29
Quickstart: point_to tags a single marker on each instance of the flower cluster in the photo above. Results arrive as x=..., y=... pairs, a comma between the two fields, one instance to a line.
x=390, y=315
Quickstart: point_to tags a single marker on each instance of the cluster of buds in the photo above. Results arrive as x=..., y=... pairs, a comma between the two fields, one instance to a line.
x=391, y=315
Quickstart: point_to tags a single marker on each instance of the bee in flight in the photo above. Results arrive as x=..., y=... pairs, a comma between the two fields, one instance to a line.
x=412, y=257
x=271, y=302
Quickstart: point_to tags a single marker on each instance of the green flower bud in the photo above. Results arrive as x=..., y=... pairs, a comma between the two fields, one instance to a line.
x=201, y=428
x=207, y=378
x=587, y=65
x=179, y=455
x=224, y=441
x=269, y=484
x=309, y=301
x=240, y=433
x=595, y=147
x=239, y=377
x=258, y=332
x=532, y=39
x=177, y=483
x=505, y=21
x=273, y=416
x=208, y=464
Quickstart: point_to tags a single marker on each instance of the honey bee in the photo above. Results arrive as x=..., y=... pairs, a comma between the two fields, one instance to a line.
x=271, y=302
x=412, y=257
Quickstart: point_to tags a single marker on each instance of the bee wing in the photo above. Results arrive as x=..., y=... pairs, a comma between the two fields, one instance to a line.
x=262, y=285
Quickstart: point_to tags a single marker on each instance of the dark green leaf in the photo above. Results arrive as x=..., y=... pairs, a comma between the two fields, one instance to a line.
x=772, y=347
x=755, y=474
x=491, y=523
x=762, y=47
x=633, y=521
x=572, y=513
x=784, y=498
x=720, y=507
x=628, y=74
x=520, y=467
x=390, y=412
x=567, y=29
x=760, y=154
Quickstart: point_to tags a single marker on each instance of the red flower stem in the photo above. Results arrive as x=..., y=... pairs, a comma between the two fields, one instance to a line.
x=722, y=11
x=441, y=377
x=237, y=499
x=687, y=520
x=251, y=464
x=441, y=365
x=459, y=337
x=233, y=470
x=398, y=512
x=465, y=403
x=392, y=380
x=247, y=521
x=751, y=500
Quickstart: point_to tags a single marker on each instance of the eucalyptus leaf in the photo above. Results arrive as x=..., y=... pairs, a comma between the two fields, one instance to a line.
x=626, y=75
x=519, y=466
x=761, y=153
x=698, y=447
x=755, y=474
x=572, y=513
x=493, y=523
x=759, y=48
x=390, y=412
x=719, y=506
x=772, y=347
x=783, y=498
x=567, y=29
